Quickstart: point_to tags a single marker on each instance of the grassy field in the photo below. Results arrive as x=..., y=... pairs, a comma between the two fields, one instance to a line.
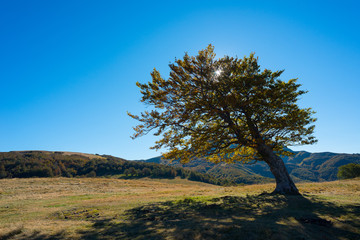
x=90, y=208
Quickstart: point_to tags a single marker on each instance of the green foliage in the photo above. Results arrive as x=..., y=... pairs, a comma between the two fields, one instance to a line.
x=223, y=109
x=351, y=170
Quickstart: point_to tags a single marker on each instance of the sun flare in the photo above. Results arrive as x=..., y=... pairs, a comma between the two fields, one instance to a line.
x=218, y=72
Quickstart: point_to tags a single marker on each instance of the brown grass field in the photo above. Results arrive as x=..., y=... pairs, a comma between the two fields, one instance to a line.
x=105, y=208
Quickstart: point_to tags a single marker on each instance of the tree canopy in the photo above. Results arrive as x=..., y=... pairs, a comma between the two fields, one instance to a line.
x=220, y=108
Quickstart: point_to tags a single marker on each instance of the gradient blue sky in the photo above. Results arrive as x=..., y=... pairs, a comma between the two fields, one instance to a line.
x=68, y=68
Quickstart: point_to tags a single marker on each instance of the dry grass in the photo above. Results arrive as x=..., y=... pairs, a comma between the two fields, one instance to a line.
x=45, y=207
x=29, y=202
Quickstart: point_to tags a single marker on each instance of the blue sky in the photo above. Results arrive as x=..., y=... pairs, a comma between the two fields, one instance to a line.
x=68, y=68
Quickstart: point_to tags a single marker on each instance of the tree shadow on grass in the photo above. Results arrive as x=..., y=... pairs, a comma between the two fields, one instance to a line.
x=251, y=217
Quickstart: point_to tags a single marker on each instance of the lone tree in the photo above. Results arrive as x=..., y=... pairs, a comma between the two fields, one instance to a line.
x=226, y=110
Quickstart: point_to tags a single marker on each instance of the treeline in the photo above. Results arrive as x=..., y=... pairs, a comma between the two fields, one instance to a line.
x=57, y=164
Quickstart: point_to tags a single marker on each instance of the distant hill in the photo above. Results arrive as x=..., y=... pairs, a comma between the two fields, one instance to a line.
x=25, y=164
x=302, y=166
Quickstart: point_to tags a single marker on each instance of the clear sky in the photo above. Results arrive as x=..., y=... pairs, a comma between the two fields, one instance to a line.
x=68, y=68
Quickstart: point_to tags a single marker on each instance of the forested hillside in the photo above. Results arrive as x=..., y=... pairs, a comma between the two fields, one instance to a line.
x=24, y=164
x=302, y=166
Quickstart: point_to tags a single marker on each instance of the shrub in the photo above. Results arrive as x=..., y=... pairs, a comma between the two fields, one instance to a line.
x=351, y=170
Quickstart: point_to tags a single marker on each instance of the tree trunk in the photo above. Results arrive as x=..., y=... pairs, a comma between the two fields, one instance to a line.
x=284, y=183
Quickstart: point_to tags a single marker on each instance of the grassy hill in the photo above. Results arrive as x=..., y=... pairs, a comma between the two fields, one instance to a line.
x=101, y=208
x=302, y=166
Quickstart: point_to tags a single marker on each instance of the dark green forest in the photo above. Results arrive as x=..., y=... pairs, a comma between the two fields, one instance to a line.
x=26, y=164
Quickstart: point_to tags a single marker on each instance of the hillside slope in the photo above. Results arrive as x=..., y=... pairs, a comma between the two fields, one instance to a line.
x=302, y=166
x=25, y=164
